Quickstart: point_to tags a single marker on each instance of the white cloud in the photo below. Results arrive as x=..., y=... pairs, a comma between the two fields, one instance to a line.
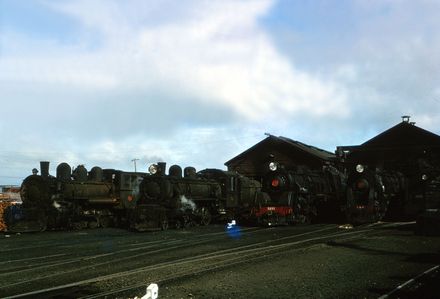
x=226, y=57
x=216, y=52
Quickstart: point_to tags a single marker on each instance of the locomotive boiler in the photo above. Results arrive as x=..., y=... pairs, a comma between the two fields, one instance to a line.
x=301, y=195
x=190, y=197
x=78, y=198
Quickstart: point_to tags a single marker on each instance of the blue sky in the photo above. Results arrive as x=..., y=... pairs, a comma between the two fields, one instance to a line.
x=100, y=82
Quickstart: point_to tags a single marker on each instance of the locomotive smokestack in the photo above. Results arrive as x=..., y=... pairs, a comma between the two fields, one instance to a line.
x=161, y=167
x=44, y=167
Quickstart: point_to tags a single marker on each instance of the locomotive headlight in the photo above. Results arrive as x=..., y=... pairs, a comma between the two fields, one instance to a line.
x=360, y=168
x=273, y=166
x=152, y=169
x=424, y=177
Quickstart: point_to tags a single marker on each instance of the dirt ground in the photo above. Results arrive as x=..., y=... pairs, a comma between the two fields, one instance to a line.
x=363, y=268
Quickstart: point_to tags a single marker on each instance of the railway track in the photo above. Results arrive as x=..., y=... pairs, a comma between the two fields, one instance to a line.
x=165, y=268
x=40, y=263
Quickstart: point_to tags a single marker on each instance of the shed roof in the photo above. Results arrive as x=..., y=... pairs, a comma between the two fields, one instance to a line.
x=290, y=144
x=400, y=146
x=403, y=134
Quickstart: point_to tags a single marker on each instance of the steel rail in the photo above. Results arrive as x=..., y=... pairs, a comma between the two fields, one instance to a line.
x=181, y=244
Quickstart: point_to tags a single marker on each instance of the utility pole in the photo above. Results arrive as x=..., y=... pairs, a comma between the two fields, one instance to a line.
x=134, y=162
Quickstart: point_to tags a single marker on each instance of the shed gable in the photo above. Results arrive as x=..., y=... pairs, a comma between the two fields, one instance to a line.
x=254, y=161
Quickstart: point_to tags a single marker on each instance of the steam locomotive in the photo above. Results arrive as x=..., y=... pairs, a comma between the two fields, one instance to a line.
x=301, y=195
x=140, y=201
x=370, y=193
x=376, y=194
x=77, y=198
x=182, y=199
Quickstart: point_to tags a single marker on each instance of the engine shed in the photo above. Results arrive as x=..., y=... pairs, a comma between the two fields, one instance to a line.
x=404, y=147
x=291, y=153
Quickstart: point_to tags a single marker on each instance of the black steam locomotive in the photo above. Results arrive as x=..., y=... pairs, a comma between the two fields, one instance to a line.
x=374, y=194
x=301, y=195
x=371, y=192
x=78, y=199
x=191, y=197
x=102, y=197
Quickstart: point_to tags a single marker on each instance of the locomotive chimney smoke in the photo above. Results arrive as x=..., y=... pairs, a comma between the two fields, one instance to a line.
x=187, y=204
x=44, y=167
